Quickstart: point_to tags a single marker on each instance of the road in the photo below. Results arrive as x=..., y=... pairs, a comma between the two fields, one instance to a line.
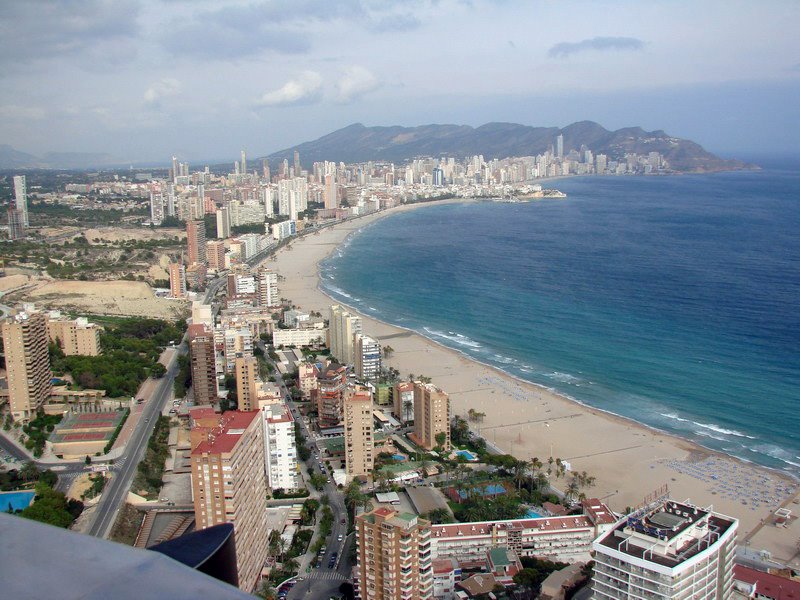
x=322, y=582
x=116, y=490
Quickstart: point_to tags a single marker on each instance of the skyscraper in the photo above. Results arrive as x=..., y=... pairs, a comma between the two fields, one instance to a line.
x=331, y=192
x=204, y=371
x=367, y=354
x=215, y=253
x=267, y=288
x=177, y=280
x=229, y=486
x=280, y=447
x=329, y=394
x=560, y=146
x=244, y=163
x=297, y=168
x=21, y=197
x=16, y=223
x=431, y=415
x=358, y=435
x=196, y=241
x=666, y=550
x=341, y=331
x=27, y=363
x=247, y=382
x=223, y=223
x=394, y=555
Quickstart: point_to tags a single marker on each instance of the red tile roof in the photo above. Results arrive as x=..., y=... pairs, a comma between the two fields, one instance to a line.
x=598, y=512
x=466, y=530
x=223, y=439
x=768, y=585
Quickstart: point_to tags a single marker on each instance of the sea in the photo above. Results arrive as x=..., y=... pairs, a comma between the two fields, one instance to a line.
x=671, y=300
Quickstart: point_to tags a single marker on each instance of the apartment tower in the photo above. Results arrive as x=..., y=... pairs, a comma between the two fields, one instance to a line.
x=342, y=329
x=177, y=280
x=21, y=198
x=666, y=550
x=267, y=288
x=229, y=486
x=431, y=415
x=74, y=336
x=367, y=355
x=215, y=253
x=27, y=363
x=204, y=368
x=247, y=381
x=280, y=447
x=329, y=395
x=358, y=434
x=394, y=556
x=196, y=242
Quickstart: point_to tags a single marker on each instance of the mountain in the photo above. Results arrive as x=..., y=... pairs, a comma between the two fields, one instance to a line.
x=357, y=143
x=14, y=159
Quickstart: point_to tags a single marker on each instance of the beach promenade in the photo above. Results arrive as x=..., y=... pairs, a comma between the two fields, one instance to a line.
x=629, y=460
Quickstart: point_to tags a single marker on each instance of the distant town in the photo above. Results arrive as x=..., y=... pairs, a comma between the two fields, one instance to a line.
x=160, y=382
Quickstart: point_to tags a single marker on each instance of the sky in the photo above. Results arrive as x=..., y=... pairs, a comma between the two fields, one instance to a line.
x=145, y=79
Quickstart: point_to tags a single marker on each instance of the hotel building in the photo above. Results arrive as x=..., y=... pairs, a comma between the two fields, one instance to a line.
x=394, y=556
x=667, y=550
x=27, y=363
x=229, y=486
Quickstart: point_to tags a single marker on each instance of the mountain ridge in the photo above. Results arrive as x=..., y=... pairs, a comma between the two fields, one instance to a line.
x=359, y=143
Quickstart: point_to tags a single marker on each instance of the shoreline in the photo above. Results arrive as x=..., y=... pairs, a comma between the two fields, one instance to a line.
x=549, y=423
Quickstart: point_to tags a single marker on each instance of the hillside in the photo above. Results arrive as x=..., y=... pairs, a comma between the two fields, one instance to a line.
x=358, y=143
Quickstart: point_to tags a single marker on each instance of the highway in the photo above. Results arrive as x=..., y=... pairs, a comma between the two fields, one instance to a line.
x=116, y=490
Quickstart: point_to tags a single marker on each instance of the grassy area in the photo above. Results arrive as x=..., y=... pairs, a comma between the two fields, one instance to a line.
x=127, y=525
x=150, y=472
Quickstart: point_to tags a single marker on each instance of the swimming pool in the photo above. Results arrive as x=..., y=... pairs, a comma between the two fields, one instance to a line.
x=466, y=454
x=16, y=500
x=399, y=457
x=532, y=514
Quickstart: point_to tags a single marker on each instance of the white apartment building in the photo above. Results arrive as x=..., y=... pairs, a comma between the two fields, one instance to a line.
x=267, y=282
x=299, y=337
x=667, y=550
x=367, y=353
x=280, y=450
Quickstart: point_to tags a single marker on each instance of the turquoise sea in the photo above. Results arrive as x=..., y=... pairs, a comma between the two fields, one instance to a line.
x=674, y=301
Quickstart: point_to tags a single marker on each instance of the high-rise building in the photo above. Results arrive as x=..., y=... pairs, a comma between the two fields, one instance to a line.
x=431, y=415
x=297, y=168
x=438, y=177
x=280, y=447
x=204, y=370
x=341, y=334
x=394, y=556
x=74, y=336
x=196, y=242
x=329, y=394
x=229, y=486
x=331, y=192
x=223, y=223
x=177, y=280
x=21, y=197
x=267, y=288
x=156, y=207
x=215, y=253
x=367, y=354
x=16, y=223
x=247, y=382
x=560, y=146
x=244, y=163
x=358, y=433
x=403, y=401
x=666, y=550
x=27, y=363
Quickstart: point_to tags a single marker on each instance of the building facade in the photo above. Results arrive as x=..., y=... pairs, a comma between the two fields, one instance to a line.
x=196, y=242
x=431, y=415
x=367, y=357
x=329, y=394
x=342, y=328
x=229, y=486
x=202, y=354
x=667, y=550
x=280, y=447
x=27, y=363
x=74, y=336
x=247, y=381
x=177, y=280
x=358, y=433
x=394, y=556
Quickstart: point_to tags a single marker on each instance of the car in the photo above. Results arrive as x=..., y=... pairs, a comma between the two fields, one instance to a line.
x=341, y=537
x=330, y=480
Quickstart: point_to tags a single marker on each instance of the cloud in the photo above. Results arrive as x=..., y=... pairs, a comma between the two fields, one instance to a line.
x=388, y=23
x=306, y=88
x=31, y=31
x=14, y=112
x=565, y=49
x=354, y=83
x=163, y=88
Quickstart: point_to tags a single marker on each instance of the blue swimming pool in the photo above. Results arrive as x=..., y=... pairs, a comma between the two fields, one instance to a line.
x=466, y=454
x=532, y=514
x=399, y=457
x=15, y=500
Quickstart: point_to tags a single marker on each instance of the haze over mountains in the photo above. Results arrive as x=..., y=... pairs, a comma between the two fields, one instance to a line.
x=357, y=143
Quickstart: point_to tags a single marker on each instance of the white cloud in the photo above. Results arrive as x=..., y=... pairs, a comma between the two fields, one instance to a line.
x=306, y=88
x=355, y=82
x=162, y=88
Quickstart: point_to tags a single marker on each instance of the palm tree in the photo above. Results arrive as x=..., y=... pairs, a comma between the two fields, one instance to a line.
x=521, y=472
x=29, y=471
x=407, y=406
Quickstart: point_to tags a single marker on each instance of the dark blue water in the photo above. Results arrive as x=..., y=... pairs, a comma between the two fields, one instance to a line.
x=674, y=301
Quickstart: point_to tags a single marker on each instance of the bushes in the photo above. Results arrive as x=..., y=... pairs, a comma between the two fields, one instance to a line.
x=52, y=507
x=37, y=431
x=113, y=439
x=150, y=471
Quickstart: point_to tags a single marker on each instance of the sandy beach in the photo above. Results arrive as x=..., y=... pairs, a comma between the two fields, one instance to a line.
x=628, y=460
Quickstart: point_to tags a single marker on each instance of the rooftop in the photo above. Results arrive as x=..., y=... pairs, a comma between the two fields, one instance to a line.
x=768, y=585
x=224, y=437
